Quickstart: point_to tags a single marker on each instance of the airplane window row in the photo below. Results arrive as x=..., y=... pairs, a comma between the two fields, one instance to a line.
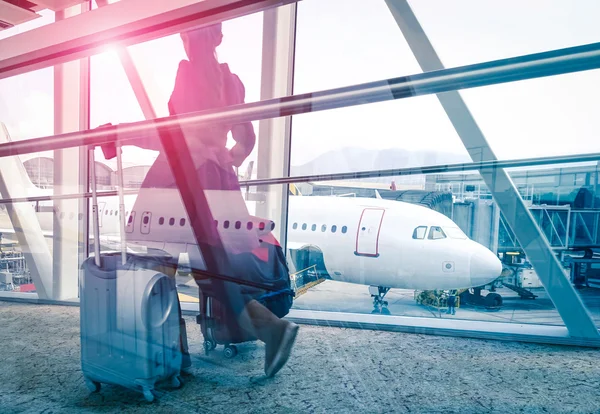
x=249, y=225
x=71, y=216
x=323, y=227
x=435, y=233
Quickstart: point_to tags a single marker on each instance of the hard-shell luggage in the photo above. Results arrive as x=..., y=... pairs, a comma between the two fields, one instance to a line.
x=129, y=317
x=129, y=325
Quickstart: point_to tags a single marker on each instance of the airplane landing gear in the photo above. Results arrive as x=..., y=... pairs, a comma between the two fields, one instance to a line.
x=379, y=305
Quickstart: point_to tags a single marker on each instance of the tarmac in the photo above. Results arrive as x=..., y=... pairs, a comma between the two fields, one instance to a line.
x=332, y=370
x=333, y=296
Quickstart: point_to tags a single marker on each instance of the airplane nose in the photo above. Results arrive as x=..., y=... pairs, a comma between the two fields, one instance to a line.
x=485, y=267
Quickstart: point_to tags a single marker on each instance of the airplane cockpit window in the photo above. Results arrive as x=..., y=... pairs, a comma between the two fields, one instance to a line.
x=333, y=228
x=455, y=233
x=344, y=229
x=420, y=232
x=436, y=233
x=272, y=225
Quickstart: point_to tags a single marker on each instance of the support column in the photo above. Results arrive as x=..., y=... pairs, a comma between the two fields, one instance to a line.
x=556, y=282
x=71, y=113
x=274, y=135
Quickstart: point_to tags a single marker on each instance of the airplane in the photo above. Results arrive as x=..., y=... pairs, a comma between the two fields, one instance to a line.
x=383, y=244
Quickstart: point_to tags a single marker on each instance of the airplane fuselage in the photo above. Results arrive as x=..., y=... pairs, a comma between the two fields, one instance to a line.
x=362, y=240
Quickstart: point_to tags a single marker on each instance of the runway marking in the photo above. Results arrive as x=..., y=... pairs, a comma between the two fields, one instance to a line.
x=187, y=298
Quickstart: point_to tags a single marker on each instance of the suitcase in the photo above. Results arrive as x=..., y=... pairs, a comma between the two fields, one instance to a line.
x=217, y=323
x=129, y=316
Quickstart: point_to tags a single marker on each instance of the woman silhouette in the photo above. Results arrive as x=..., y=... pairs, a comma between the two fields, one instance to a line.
x=203, y=83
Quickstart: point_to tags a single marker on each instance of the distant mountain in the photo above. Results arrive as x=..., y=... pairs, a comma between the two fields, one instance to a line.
x=353, y=159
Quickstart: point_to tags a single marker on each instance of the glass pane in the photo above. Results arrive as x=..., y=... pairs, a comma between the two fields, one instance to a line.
x=27, y=104
x=384, y=264
x=514, y=28
x=157, y=64
x=541, y=117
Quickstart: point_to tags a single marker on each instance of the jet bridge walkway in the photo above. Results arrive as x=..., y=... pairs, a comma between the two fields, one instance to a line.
x=564, y=228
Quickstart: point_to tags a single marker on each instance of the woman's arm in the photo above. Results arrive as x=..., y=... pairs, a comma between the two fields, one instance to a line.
x=244, y=137
x=243, y=134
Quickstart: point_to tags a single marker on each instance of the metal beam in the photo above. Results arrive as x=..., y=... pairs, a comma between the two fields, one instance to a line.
x=274, y=134
x=553, y=277
x=122, y=23
x=568, y=60
x=71, y=113
x=407, y=171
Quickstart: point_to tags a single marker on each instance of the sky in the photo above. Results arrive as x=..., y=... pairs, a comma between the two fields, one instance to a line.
x=345, y=42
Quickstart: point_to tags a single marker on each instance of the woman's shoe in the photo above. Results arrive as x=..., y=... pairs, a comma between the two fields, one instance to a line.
x=279, y=350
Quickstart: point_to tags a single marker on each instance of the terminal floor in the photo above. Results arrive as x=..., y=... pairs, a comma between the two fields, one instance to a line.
x=332, y=371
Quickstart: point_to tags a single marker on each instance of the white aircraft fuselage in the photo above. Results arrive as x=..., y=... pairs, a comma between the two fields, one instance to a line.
x=362, y=240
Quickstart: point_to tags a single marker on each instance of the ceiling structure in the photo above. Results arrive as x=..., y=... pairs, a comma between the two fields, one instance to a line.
x=15, y=12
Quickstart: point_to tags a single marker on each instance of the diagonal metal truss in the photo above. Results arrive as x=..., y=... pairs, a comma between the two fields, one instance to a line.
x=569, y=305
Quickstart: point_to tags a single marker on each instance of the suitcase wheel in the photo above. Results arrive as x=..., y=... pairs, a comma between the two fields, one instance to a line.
x=230, y=351
x=148, y=394
x=93, y=386
x=209, y=346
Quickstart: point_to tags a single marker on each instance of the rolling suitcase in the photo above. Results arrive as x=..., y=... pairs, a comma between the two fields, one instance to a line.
x=129, y=318
x=217, y=323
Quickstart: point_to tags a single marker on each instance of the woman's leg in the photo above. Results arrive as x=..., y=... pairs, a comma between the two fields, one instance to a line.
x=278, y=335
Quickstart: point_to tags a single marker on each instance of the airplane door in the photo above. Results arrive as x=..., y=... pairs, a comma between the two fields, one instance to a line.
x=146, y=218
x=367, y=236
x=130, y=222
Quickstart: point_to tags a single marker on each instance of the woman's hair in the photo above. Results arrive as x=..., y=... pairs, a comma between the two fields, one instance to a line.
x=200, y=46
